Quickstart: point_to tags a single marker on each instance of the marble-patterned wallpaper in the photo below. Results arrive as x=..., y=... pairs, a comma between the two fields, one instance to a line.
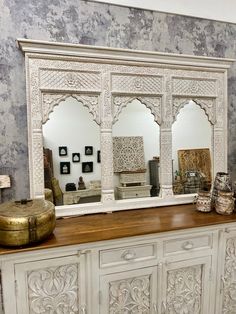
x=87, y=22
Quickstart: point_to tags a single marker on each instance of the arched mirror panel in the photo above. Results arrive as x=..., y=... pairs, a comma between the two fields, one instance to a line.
x=192, y=150
x=72, y=163
x=136, y=152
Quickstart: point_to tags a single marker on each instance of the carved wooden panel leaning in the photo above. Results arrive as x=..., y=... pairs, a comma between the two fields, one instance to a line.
x=105, y=80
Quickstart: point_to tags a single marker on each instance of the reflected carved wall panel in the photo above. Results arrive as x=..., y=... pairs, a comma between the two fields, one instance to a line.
x=54, y=290
x=128, y=152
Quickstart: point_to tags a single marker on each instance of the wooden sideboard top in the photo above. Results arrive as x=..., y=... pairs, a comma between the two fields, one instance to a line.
x=98, y=227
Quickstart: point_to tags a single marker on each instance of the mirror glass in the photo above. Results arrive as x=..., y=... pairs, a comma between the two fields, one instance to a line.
x=191, y=150
x=136, y=151
x=72, y=165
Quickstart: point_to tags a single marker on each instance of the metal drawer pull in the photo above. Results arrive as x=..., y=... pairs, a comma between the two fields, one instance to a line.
x=128, y=255
x=188, y=245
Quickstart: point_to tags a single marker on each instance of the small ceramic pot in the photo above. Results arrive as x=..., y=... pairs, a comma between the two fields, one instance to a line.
x=224, y=204
x=203, y=201
x=221, y=183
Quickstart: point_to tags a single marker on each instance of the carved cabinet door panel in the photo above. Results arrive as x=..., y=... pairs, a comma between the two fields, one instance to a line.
x=133, y=292
x=226, y=290
x=186, y=286
x=49, y=286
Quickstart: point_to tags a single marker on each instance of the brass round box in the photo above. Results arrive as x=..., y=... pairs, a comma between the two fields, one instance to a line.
x=26, y=222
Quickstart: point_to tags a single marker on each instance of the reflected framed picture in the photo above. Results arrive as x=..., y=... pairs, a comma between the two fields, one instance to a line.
x=87, y=166
x=98, y=156
x=76, y=157
x=88, y=150
x=65, y=167
x=62, y=150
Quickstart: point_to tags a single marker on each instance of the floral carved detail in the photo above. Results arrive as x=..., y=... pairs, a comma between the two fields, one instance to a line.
x=130, y=295
x=220, y=155
x=89, y=101
x=207, y=104
x=70, y=80
x=129, y=83
x=201, y=87
x=166, y=161
x=38, y=177
x=229, y=301
x=53, y=290
x=184, y=290
x=107, y=159
x=153, y=103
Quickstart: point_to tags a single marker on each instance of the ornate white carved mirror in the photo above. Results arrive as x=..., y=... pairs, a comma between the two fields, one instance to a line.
x=107, y=80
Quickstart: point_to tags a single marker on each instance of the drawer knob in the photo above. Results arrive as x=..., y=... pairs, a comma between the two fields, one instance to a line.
x=128, y=255
x=188, y=245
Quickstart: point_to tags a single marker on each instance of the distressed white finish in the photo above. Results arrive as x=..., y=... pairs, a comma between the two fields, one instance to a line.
x=142, y=274
x=105, y=80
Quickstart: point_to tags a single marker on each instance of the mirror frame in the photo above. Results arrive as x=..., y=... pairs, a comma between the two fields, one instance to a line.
x=105, y=80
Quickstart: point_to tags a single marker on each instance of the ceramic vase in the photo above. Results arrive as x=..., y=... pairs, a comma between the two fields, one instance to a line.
x=224, y=204
x=203, y=201
x=221, y=183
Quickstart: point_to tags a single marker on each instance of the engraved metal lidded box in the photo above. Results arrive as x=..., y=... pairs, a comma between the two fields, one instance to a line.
x=26, y=222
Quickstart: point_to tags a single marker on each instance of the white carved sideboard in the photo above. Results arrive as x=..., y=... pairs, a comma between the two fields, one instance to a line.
x=187, y=271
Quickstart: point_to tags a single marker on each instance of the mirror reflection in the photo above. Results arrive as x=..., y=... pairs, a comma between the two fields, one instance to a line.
x=72, y=165
x=191, y=150
x=136, y=151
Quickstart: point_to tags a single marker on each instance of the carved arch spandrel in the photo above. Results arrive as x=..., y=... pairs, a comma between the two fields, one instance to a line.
x=152, y=103
x=49, y=101
x=207, y=104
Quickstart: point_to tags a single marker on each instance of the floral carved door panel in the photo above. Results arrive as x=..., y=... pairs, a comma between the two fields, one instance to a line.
x=51, y=286
x=133, y=292
x=186, y=287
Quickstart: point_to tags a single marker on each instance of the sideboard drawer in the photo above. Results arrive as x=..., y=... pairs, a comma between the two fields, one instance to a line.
x=133, y=191
x=126, y=255
x=187, y=244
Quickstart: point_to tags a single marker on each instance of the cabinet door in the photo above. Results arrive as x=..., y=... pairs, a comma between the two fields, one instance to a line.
x=133, y=292
x=54, y=285
x=226, y=292
x=186, y=287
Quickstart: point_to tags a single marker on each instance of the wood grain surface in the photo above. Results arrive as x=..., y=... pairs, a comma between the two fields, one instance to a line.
x=98, y=227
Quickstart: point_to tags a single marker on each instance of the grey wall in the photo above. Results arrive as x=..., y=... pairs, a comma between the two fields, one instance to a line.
x=85, y=22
